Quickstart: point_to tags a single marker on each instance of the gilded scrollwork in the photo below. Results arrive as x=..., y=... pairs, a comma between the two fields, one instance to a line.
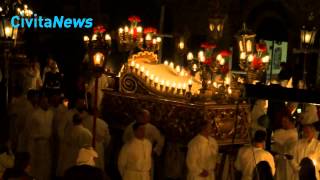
x=178, y=120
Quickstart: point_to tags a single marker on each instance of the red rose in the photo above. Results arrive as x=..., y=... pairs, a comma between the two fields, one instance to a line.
x=99, y=29
x=257, y=63
x=149, y=30
x=261, y=47
x=207, y=45
x=208, y=61
x=135, y=19
x=224, y=69
x=225, y=53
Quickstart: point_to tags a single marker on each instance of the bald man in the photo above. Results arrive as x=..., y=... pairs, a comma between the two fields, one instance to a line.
x=151, y=132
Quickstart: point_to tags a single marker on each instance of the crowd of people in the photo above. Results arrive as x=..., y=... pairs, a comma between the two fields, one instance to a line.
x=52, y=138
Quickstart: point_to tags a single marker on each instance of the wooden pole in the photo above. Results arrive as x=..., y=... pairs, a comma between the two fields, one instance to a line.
x=94, y=112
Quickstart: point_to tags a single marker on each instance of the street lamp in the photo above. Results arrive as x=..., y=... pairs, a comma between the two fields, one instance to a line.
x=307, y=38
x=98, y=47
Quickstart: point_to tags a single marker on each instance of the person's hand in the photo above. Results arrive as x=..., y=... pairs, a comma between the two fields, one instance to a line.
x=204, y=173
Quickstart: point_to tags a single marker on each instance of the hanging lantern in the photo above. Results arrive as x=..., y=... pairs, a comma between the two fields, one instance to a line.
x=307, y=37
x=216, y=26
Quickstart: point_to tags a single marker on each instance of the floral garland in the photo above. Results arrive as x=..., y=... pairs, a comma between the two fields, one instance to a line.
x=222, y=63
x=151, y=30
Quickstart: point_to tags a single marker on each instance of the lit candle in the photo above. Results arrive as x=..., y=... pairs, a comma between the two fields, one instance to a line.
x=227, y=80
x=215, y=85
x=173, y=87
x=167, y=86
x=151, y=79
x=182, y=73
x=229, y=90
x=166, y=62
x=137, y=68
x=141, y=71
x=179, y=89
x=190, y=84
x=184, y=88
x=139, y=29
x=126, y=29
x=194, y=67
x=161, y=85
x=147, y=75
x=171, y=65
x=190, y=56
x=209, y=82
x=156, y=82
x=178, y=69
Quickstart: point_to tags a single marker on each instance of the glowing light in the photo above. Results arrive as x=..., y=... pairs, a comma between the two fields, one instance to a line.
x=166, y=62
x=219, y=57
x=94, y=37
x=148, y=37
x=132, y=63
x=227, y=80
x=152, y=76
x=86, y=38
x=229, y=90
x=171, y=65
x=107, y=37
x=159, y=39
x=137, y=66
x=189, y=56
x=243, y=55
x=222, y=61
x=142, y=68
x=194, y=67
x=156, y=79
x=120, y=30
x=250, y=58
x=181, y=45
x=162, y=82
x=139, y=29
x=126, y=29
x=98, y=59
x=266, y=59
x=178, y=69
x=201, y=56
x=190, y=82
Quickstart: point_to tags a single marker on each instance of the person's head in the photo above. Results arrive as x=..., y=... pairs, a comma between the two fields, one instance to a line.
x=143, y=116
x=259, y=138
x=309, y=131
x=81, y=104
x=263, y=171
x=77, y=120
x=22, y=161
x=286, y=122
x=33, y=97
x=205, y=128
x=307, y=169
x=139, y=130
x=44, y=103
x=84, y=172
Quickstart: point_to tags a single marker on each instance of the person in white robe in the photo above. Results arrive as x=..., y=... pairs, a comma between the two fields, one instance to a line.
x=152, y=132
x=259, y=109
x=250, y=155
x=308, y=147
x=284, y=140
x=101, y=133
x=33, y=76
x=102, y=136
x=135, y=159
x=202, y=155
x=19, y=109
x=87, y=156
x=77, y=138
x=40, y=133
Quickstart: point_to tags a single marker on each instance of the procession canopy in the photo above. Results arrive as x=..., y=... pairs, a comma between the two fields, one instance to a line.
x=167, y=92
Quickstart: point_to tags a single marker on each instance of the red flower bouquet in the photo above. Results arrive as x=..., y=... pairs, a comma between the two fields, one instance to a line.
x=99, y=29
x=150, y=30
x=207, y=45
x=134, y=19
x=225, y=53
x=261, y=47
x=257, y=63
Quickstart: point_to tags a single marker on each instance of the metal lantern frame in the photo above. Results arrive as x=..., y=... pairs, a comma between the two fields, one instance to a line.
x=246, y=44
x=307, y=37
x=100, y=42
x=216, y=26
